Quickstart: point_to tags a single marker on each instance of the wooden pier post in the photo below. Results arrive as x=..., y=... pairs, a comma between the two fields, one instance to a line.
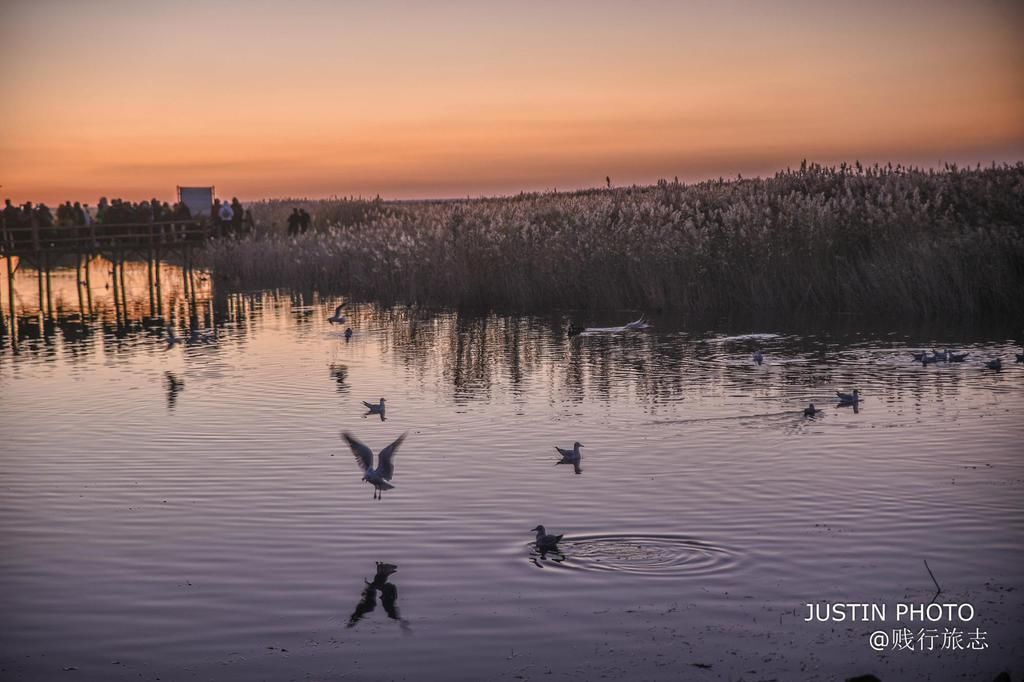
x=124, y=292
x=39, y=281
x=10, y=295
x=159, y=292
x=117, y=298
x=88, y=284
x=78, y=286
x=49, y=289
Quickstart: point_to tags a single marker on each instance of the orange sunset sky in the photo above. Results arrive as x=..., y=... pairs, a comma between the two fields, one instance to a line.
x=445, y=99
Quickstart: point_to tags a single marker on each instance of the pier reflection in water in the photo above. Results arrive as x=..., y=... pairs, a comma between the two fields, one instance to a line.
x=190, y=510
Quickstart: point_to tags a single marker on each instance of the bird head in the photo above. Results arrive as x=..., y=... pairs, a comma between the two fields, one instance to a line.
x=538, y=528
x=577, y=444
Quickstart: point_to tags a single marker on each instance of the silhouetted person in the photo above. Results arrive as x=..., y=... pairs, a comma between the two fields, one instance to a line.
x=294, y=221
x=236, y=215
x=102, y=206
x=65, y=215
x=304, y=220
x=226, y=214
x=215, y=216
x=43, y=216
x=11, y=214
x=248, y=224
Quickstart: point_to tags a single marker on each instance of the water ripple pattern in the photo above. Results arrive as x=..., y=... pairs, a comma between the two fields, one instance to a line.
x=643, y=555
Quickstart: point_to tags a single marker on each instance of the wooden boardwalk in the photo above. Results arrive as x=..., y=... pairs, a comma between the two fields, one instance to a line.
x=102, y=239
x=46, y=247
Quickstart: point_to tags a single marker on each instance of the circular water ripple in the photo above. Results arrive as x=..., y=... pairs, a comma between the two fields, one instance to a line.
x=647, y=555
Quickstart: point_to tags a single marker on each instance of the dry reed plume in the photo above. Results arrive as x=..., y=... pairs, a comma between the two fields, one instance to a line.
x=885, y=240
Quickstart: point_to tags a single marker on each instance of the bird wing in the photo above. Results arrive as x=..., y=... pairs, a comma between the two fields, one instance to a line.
x=363, y=454
x=337, y=311
x=369, y=406
x=385, y=465
x=563, y=453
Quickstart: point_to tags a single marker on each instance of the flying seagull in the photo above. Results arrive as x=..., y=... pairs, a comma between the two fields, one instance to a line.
x=811, y=410
x=572, y=457
x=337, y=318
x=385, y=470
x=758, y=356
x=545, y=542
x=958, y=357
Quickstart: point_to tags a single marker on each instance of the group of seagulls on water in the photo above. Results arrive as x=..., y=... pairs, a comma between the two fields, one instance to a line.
x=380, y=476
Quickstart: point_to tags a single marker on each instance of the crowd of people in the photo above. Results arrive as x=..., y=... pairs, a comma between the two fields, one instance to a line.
x=228, y=218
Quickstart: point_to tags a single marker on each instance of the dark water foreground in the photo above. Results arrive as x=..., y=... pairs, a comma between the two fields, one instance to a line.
x=215, y=526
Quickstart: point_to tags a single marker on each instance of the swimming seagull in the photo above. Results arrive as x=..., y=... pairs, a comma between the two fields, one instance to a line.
x=1020, y=357
x=385, y=470
x=337, y=318
x=758, y=356
x=348, y=334
x=994, y=364
x=848, y=398
x=811, y=410
x=639, y=324
x=545, y=542
x=572, y=457
x=377, y=408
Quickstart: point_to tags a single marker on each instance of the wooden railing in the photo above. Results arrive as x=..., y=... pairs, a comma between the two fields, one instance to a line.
x=103, y=236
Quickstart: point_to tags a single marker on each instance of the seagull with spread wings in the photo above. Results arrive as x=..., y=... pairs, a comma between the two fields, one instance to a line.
x=337, y=318
x=385, y=469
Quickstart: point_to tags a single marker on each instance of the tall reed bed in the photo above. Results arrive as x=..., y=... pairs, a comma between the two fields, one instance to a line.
x=879, y=240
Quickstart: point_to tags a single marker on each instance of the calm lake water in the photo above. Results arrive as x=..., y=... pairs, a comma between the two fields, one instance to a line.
x=219, y=529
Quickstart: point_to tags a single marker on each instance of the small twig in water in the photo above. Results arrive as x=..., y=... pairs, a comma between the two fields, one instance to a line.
x=933, y=578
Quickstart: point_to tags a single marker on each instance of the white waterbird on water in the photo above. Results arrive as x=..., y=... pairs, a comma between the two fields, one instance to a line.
x=848, y=398
x=337, y=318
x=377, y=408
x=573, y=457
x=545, y=542
x=385, y=469
x=638, y=325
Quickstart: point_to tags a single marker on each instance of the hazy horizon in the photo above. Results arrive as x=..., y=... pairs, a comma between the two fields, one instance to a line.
x=318, y=99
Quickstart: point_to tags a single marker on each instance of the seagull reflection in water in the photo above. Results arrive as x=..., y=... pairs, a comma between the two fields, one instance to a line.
x=388, y=597
x=340, y=374
x=174, y=387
